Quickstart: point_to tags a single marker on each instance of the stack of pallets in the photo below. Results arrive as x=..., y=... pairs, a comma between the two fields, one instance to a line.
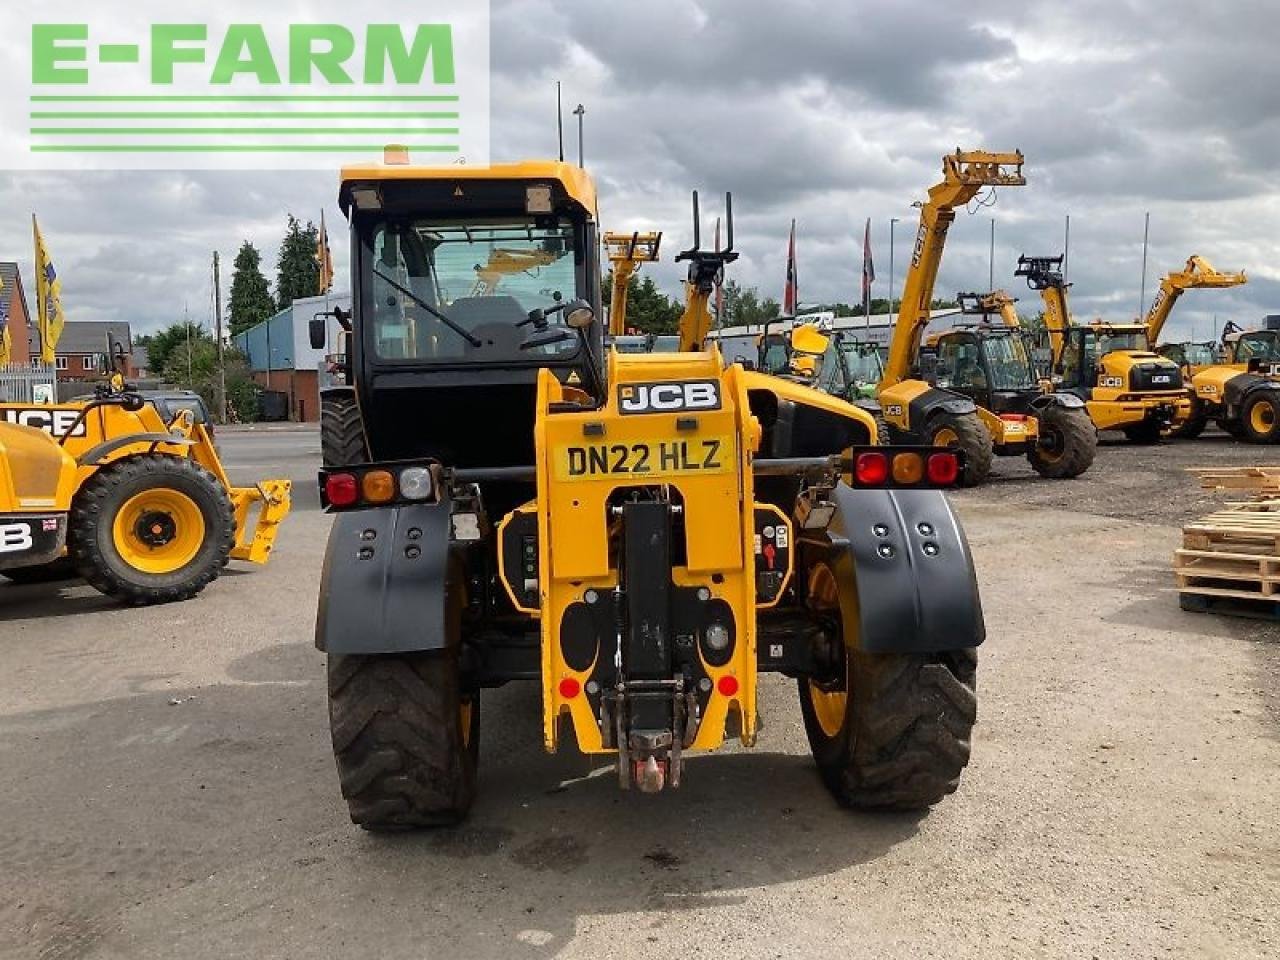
x=1230, y=560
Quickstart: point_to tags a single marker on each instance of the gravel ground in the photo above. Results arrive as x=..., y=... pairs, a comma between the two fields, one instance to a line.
x=169, y=791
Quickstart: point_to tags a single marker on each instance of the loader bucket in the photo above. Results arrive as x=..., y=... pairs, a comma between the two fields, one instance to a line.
x=271, y=497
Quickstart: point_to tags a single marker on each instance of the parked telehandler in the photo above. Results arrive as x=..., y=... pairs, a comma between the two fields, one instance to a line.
x=639, y=534
x=987, y=400
x=1127, y=385
x=141, y=508
x=1240, y=392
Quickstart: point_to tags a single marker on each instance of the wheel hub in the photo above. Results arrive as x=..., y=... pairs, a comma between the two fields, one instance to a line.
x=156, y=529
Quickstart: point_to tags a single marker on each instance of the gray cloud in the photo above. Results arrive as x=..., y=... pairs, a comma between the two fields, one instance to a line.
x=826, y=112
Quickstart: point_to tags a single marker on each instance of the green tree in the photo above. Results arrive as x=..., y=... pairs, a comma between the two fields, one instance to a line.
x=193, y=365
x=161, y=346
x=297, y=270
x=742, y=306
x=649, y=310
x=251, y=301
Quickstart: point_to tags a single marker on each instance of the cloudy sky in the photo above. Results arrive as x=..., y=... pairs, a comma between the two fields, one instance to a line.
x=826, y=112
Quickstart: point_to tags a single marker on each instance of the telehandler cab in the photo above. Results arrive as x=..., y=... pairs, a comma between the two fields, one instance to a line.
x=641, y=535
x=141, y=507
x=981, y=404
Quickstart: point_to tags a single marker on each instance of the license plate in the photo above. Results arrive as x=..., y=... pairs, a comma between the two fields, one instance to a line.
x=693, y=456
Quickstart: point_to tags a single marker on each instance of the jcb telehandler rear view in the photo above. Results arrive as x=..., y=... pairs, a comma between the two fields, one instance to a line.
x=640, y=535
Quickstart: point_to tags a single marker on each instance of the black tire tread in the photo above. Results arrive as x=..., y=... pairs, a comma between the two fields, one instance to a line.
x=396, y=739
x=1080, y=443
x=342, y=441
x=974, y=441
x=913, y=717
x=101, y=494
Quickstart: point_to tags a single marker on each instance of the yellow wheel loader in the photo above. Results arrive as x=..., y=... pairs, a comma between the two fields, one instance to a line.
x=1126, y=383
x=641, y=536
x=140, y=508
x=1242, y=394
x=986, y=400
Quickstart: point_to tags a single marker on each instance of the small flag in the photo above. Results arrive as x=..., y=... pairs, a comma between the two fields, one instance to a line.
x=868, y=269
x=719, y=284
x=50, y=317
x=324, y=256
x=791, y=296
x=6, y=341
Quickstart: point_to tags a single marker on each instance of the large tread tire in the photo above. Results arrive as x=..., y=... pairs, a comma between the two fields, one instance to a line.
x=60, y=570
x=1260, y=418
x=404, y=759
x=1145, y=433
x=1077, y=439
x=1232, y=428
x=91, y=541
x=972, y=439
x=1189, y=429
x=905, y=731
x=342, y=441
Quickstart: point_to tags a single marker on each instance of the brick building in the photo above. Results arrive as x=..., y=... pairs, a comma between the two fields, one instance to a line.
x=283, y=361
x=13, y=304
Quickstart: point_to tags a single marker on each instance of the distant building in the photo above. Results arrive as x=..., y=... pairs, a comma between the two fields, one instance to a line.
x=282, y=360
x=13, y=304
x=85, y=345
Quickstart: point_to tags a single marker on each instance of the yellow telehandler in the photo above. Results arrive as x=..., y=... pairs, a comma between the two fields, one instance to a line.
x=141, y=508
x=983, y=396
x=1126, y=383
x=640, y=535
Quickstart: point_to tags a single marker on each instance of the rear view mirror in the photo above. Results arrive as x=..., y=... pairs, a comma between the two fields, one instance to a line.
x=318, y=333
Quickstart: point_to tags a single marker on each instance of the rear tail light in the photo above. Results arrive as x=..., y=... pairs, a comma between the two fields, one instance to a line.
x=943, y=469
x=871, y=469
x=908, y=468
x=378, y=486
x=341, y=489
x=416, y=484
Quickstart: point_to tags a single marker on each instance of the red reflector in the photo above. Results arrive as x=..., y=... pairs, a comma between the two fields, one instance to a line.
x=871, y=469
x=569, y=688
x=943, y=468
x=727, y=685
x=341, y=489
x=1014, y=417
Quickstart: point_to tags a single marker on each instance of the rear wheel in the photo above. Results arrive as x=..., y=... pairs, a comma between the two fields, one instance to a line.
x=966, y=433
x=1067, y=444
x=890, y=731
x=151, y=529
x=1190, y=428
x=342, y=440
x=405, y=737
x=1261, y=418
x=1148, y=431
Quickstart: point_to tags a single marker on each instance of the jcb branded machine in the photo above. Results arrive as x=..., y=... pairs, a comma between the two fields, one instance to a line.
x=640, y=535
x=141, y=507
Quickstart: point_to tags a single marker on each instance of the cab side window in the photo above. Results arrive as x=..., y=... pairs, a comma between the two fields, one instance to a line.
x=960, y=364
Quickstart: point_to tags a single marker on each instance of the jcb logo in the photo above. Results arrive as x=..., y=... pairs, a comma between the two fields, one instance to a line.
x=1114, y=383
x=893, y=410
x=1161, y=378
x=1207, y=388
x=55, y=422
x=669, y=397
x=15, y=537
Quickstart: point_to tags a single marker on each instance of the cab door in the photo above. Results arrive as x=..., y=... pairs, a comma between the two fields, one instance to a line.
x=959, y=367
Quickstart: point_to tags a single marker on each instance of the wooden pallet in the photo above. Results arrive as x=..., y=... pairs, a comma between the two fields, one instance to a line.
x=1252, y=528
x=1262, y=479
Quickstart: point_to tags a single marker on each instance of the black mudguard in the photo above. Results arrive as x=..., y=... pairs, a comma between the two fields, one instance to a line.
x=385, y=584
x=934, y=401
x=1239, y=390
x=1068, y=401
x=910, y=600
x=31, y=541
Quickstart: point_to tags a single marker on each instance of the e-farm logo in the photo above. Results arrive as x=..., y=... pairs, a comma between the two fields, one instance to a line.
x=145, y=86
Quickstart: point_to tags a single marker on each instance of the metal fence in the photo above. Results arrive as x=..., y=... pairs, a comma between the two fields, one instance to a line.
x=20, y=383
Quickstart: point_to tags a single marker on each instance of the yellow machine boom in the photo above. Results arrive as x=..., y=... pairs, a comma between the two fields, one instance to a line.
x=1198, y=273
x=626, y=252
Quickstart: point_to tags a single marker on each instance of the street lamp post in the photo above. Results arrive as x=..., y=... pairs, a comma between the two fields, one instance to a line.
x=580, y=112
x=892, y=221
